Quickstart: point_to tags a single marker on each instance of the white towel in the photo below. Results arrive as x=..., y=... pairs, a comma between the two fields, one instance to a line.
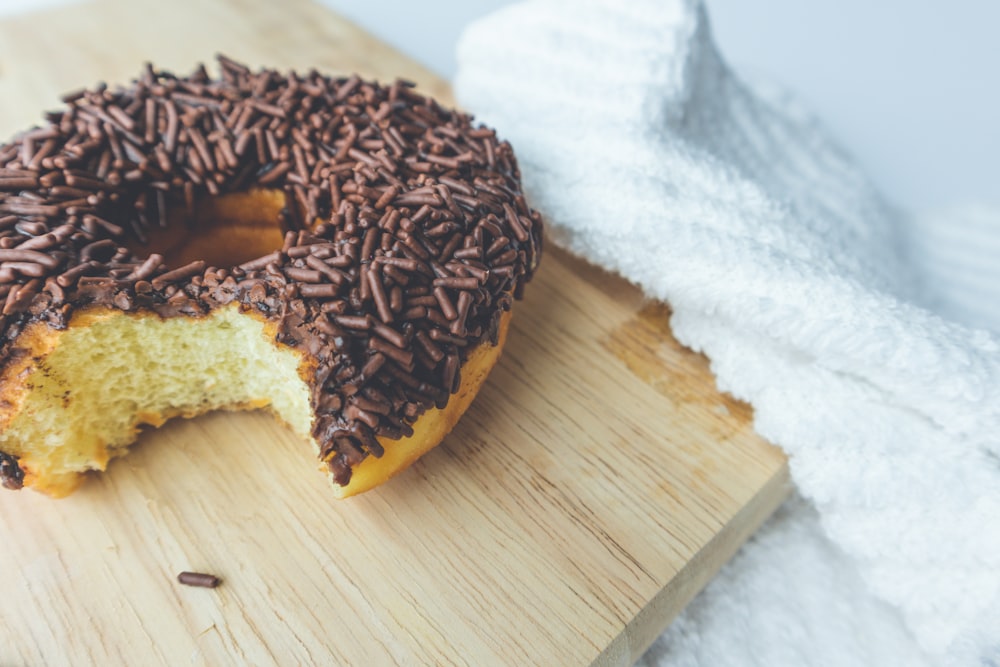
x=865, y=339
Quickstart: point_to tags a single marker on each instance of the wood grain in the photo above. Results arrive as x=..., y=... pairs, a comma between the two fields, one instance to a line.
x=594, y=487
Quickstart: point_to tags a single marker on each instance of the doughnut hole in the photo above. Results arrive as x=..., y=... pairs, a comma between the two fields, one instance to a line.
x=229, y=230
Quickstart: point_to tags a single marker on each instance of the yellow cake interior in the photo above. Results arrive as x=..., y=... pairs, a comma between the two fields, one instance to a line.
x=110, y=373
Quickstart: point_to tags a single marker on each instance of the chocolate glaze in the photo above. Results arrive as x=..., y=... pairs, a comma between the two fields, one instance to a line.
x=11, y=475
x=406, y=232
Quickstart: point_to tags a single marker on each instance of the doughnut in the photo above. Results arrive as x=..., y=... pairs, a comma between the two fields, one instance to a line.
x=341, y=252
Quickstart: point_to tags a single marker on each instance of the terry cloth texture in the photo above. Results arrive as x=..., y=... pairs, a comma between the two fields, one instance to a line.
x=866, y=339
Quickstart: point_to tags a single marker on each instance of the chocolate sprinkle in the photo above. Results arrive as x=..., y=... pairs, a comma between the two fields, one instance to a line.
x=11, y=475
x=199, y=579
x=405, y=229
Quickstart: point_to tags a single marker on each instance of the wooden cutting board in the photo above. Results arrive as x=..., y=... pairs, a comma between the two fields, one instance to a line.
x=594, y=487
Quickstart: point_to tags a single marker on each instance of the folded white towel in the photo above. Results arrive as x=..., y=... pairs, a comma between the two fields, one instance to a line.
x=850, y=327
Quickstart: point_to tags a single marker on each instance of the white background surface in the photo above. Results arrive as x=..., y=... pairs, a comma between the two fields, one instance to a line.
x=911, y=88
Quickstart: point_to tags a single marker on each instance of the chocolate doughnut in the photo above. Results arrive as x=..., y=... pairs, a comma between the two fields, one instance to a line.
x=343, y=252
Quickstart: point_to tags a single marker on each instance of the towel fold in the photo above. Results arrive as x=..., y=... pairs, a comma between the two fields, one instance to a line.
x=866, y=339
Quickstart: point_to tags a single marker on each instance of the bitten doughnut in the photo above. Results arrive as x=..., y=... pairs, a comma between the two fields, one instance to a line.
x=341, y=252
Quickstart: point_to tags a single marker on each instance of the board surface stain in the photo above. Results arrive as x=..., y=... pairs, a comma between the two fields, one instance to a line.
x=647, y=346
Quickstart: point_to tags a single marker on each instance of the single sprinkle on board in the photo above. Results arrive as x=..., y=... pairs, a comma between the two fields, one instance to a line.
x=199, y=579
